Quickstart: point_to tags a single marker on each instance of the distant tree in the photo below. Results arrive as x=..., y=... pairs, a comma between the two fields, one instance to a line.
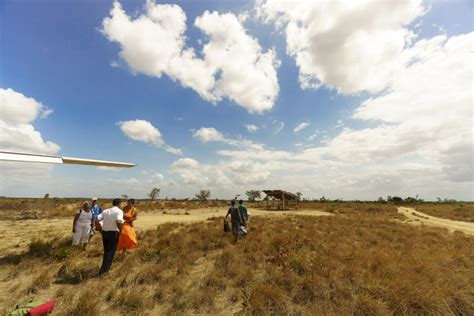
x=410, y=200
x=124, y=196
x=396, y=199
x=322, y=199
x=253, y=195
x=380, y=200
x=299, y=195
x=389, y=198
x=154, y=193
x=46, y=196
x=203, y=195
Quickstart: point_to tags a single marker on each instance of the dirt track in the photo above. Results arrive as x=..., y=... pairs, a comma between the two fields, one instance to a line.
x=18, y=234
x=418, y=218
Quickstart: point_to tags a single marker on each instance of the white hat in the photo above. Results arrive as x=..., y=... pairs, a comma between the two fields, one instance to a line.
x=94, y=199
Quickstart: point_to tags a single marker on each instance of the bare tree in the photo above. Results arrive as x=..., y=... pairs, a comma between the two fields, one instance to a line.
x=203, y=195
x=154, y=193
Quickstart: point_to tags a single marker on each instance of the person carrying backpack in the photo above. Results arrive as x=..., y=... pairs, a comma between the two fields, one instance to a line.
x=235, y=219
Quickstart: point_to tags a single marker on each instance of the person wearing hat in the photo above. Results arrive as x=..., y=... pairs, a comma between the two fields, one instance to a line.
x=112, y=220
x=95, y=208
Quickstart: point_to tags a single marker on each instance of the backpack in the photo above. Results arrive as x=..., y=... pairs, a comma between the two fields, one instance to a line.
x=226, y=227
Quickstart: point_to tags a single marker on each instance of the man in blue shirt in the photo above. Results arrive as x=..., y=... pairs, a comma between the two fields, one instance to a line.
x=95, y=210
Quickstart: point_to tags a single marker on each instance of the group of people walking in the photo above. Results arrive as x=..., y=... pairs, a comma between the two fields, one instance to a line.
x=115, y=225
x=239, y=217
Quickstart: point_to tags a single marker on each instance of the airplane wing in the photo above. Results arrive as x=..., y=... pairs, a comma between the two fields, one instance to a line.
x=22, y=157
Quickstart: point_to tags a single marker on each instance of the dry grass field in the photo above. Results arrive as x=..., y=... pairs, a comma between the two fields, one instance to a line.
x=363, y=260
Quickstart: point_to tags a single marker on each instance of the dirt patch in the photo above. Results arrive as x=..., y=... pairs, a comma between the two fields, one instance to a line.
x=422, y=218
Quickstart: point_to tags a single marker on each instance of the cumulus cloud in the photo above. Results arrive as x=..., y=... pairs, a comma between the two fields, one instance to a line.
x=301, y=127
x=144, y=131
x=173, y=150
x=434, y=122
x=154, y=44
x=227, y=174
x=251, y=128
x=419, y=140
x=17, y=133
x=347, y=45
x=208, y=134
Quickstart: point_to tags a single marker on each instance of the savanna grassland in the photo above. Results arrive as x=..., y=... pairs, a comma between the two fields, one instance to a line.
x=362, y=260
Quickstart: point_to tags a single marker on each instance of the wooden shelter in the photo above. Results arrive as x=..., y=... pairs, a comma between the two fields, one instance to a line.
x=280, y=200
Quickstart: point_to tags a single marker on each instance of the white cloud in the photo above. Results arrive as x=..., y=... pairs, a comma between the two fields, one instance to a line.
x=301, y=127
x=191, y=172
x=277, y=126
x=208, y=134
x=173, y=150
x=17, y=114
x=348, y=45
x=423, y=142
x=154, y=44
x=251, y=128
x=45, y=112
x=314, y=135
x=157, y=178
x=16, y=130
x=144, y=131
x=223, y=174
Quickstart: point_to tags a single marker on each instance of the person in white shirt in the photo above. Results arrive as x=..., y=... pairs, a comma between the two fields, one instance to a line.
x=112, y=220
x=81, y=226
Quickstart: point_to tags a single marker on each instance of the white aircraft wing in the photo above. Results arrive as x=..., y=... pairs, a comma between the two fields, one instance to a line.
x=22, y=157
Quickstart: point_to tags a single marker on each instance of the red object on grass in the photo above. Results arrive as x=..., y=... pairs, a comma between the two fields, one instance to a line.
x=43, y=309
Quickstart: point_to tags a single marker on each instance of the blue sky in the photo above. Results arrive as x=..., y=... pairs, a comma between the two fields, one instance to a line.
x=60, y=54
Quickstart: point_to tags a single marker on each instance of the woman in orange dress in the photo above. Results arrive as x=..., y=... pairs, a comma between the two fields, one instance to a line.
x=128, y=238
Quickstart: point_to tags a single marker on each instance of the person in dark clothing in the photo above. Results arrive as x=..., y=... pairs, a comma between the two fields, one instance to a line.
x=112, y=220
x=235, y=219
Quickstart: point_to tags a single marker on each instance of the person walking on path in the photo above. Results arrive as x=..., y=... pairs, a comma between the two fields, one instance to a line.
x=235, y=219
x=243, y=213
x=128, y=238
x=81, y=226
x=112, y=219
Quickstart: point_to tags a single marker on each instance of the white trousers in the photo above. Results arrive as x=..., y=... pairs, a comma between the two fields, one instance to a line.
x=81, y=235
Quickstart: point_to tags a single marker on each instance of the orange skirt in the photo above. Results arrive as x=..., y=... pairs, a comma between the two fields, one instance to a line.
x=128, y=238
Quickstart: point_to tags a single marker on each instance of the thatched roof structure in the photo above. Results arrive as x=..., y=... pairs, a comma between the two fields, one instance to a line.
x=283, y=198
x=279, y=194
